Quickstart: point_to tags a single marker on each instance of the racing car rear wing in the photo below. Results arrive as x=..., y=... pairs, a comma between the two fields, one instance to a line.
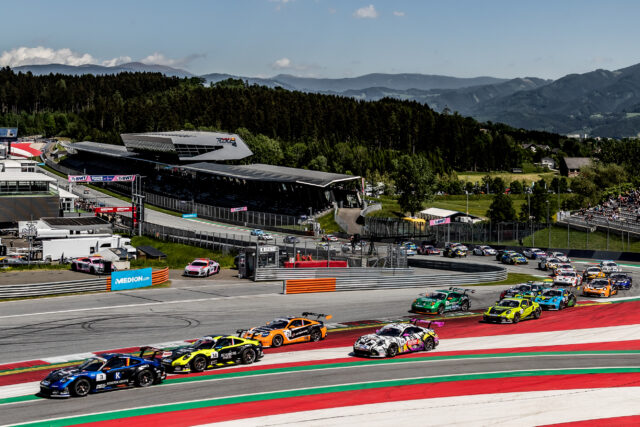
x=428, y=322
x=462, y=290
x=318, y=315
x=154, y=352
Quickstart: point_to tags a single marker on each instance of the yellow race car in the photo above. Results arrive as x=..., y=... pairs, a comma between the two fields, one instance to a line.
x=593, y=272
x=512, y=310
x=211, y=352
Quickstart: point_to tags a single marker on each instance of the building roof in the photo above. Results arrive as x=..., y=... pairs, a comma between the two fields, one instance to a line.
x=78, y=223
x=25, y=177
x=190, y=145
x=102, y=149
x=442, y=213
x=262, y=172
x=577, y=162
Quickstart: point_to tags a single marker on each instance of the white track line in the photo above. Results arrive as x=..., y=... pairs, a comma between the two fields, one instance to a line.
x=533, y=408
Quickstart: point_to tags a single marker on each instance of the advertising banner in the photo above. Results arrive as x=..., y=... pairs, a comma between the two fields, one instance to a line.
x=242, y=209
x=114, y=209
x=9, y=133
x=101, y=178
x=191, y=215
x=439, y=221
x=130, y=279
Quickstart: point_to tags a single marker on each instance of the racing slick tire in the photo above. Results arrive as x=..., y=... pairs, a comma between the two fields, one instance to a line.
x=198, y=364
x=440, y=310
x=464, y=306
x=392, y=351
x=315, y=335
x=92, y=270
x=516, y=318
x=74, y=267
x=429, y=344
x=144, y=378
x=562, y=306
x=248, y=356
x=80, y=388
x=277, y=341
x=536, y=314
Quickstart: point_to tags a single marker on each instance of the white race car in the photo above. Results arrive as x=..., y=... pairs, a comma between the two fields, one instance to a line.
x=202, y=267
x=571, y=278
x=563, y=268
x=92, y=265
x=609, y=267
x=484, y=250
x=533, y=253
x=265, y=236
x=396, y=338
x=561, y=256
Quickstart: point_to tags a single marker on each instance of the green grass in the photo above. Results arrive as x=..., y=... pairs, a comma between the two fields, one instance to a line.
x=507, y=177
x=39, y=267
x=178, y=254
x=328, y=223
x=390, y=207
x=512, y=279
x=53, y=171
x=578, y=240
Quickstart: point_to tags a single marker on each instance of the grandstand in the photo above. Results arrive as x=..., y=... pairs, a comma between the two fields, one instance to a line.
x=260, y=187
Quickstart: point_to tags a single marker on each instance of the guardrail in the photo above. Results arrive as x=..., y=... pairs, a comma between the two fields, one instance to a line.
x=70, y=286
x=55, y=288
x=370, y=279
x=263, y=274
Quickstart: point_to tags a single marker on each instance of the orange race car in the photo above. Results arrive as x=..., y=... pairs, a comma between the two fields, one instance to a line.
x=289, y=330
x=599, y=288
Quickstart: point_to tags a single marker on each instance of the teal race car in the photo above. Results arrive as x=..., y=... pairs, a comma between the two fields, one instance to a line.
x=437, y=302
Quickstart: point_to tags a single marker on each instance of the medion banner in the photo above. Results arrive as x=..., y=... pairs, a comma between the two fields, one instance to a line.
x=130, y=279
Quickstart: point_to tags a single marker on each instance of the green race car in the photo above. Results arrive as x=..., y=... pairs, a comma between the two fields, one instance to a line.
x=211, y=352
x=512, y=310
x=441, y=301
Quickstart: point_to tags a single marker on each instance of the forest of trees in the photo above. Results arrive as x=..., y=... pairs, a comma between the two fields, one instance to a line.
x=282, y=127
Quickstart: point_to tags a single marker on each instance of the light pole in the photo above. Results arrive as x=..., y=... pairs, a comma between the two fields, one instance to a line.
x=467, y=193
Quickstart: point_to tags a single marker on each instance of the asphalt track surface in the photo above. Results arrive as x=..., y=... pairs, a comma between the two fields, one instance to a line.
x=212, y=387
x=49, y=327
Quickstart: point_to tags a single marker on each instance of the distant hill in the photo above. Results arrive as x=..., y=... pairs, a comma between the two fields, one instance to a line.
x=132, y=67
x=598, y=103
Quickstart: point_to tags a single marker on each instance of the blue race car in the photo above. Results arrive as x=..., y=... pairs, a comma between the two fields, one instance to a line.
x=104, y=372
x=621, y=281
x=555, y=299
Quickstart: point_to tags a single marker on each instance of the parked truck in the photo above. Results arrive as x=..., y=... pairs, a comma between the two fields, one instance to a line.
x=82, y=245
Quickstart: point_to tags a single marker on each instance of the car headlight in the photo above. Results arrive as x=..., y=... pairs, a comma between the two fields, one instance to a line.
x=186, y=356
x=415, y=301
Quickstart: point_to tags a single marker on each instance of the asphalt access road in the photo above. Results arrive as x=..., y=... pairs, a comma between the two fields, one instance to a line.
x=43, y=409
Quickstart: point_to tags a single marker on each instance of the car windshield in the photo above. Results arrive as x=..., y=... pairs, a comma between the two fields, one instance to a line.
x=509, y=303
x=523, y=288
x=593, y=270
x=204, y=343
x=278, y=323
x=599, y=284
x=199, y=264
x=93, y=364
x=618, y=276
x=437, y=295
x=552, y=293
x=568, y=274
x=390, y=332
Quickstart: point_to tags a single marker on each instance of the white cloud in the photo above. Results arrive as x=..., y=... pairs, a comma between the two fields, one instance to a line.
x=367, y=12
x=281, y=63
x=116, y=61
x=44, y=55
x=281, y=3
x=398, y=13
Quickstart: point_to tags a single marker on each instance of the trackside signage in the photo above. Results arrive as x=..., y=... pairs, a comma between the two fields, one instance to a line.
x=130, y=279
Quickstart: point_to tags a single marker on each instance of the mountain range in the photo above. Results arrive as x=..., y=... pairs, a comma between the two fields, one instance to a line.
x=598, y=103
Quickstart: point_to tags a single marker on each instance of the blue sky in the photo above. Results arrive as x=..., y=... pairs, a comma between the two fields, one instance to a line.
x=329, y=38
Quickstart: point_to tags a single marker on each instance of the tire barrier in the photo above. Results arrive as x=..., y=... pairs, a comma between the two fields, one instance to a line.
x=401, y=278
x=69, y=286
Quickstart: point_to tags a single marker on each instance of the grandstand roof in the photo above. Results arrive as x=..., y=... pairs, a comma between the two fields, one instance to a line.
x=102, y=149
x=262, y=172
